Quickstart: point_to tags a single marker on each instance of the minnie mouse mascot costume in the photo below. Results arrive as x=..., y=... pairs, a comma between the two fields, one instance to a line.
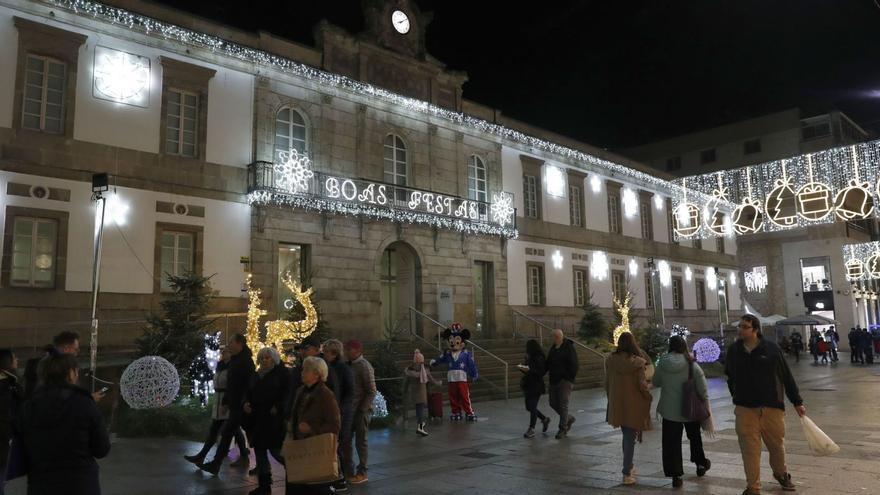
x=461, y=365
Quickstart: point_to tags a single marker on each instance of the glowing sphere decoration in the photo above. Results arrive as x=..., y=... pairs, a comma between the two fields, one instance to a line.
x=150, y=382
x=706, y=350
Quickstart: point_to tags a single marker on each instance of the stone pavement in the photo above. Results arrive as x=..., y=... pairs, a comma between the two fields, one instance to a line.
x=491, y=457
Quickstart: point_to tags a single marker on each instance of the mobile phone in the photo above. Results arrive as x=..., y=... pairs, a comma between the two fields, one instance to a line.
x=104, y=390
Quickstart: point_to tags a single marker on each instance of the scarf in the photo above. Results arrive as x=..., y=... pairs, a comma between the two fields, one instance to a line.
x=419, y=362
x=263, y=371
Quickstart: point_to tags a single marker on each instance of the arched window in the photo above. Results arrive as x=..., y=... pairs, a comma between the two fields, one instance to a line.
x=290, y=131
x=395, y=164
x=477, y=179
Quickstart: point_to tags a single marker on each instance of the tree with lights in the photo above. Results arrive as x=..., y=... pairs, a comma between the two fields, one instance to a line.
x=593, y=325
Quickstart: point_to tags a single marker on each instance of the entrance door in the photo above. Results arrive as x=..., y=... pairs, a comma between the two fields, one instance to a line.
x=484, y=295
x=400, y=277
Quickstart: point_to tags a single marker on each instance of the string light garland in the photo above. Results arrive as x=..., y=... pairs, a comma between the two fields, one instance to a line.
x=194, y=41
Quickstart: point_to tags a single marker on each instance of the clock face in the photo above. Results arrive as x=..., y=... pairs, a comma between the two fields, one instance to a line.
x=400, y=21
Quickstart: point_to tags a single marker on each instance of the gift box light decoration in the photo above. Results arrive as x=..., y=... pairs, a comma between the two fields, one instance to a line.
x=121, y=77
x=862, y=261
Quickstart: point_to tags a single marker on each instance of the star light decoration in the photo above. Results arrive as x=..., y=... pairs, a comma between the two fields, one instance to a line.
x=279, y=330
x=121, y=77
x=599, y=265
x=623, y=308
x=502, y=208
x=201, y=45
x=293, y=173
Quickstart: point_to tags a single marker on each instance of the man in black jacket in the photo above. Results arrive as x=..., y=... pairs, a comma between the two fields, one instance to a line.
x=562, y=366
x=238, y=379
x=343, y=389
x=757, y=375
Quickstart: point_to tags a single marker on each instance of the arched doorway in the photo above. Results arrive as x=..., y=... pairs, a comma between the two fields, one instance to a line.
x=401, y=278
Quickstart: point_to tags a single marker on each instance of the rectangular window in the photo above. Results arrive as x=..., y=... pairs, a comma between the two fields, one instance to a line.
x=181, y=123
x=700, y=286
x=618, y=285
x=530, y=195
x=614, y=220
x=34, y=242
x=815, y=130
x=752, y=146
x=707, y=156
x=698, y=244
x=43, y=102
x=719, y=244
x=673, y=163
x=649, y=292
x=580, y=287
x=647, y=218
x=177, y=256
x=676, y=293
x=575, y=206
x=536, y=285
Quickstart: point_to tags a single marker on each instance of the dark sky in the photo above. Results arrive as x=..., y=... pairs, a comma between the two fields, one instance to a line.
x=617, y=73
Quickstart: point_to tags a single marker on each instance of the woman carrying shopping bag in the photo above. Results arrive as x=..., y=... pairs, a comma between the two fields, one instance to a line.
x=310, y=455
x=674, y=370
x=629, y=400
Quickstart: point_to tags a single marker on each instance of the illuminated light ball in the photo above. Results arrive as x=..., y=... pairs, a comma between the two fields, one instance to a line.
x=706, y=351
x=380, y=407
x=150, y=382
x=680, y=330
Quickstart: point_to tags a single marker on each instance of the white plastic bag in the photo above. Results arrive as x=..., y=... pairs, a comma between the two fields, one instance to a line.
x=819, y=442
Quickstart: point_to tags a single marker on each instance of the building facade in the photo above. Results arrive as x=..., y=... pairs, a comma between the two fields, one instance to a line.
x=356, y=166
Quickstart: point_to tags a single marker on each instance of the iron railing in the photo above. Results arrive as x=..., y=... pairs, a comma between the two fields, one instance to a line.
x=541, y=330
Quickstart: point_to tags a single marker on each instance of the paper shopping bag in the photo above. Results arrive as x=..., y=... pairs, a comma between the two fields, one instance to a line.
x=312, y=459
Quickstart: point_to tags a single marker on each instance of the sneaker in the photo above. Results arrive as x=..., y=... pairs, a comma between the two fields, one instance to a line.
x=359, y=478
x=530, y=433
x=545, y=423
x=341, y=486
x=472, y=418
x=677, y=482
x=195, y=459
x=629, y=479
x=421, y=430
x=571, y=420
x=785, y=481
x=701, y=469
x=561, y=434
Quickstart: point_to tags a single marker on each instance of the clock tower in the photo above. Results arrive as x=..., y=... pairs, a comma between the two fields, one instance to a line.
x=390, y=53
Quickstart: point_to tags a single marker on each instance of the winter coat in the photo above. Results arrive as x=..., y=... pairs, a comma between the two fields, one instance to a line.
x=316, y=406
x=629, y=401
x=267, y=396
x=10, y=399
x=238, y=378
x=364, y=385
x=758, y=378
x=220, y=390
x=670, y=376
x=562, y=362
x=532, y=382
x=418, y=391
x=63, y=432
x=342, y=385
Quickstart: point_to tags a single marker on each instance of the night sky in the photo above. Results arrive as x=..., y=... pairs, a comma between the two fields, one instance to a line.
x=621, y=73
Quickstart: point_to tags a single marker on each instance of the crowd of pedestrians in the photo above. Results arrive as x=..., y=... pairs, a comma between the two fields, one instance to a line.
x=55, y=427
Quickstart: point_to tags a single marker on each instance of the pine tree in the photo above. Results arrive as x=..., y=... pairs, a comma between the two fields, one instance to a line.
x=177, y=333
x=593, y=324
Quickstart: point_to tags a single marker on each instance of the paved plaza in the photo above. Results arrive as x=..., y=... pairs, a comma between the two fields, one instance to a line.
x=491, y=457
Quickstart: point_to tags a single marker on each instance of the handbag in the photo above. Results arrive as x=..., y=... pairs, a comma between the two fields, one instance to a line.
x=312, y=459
x=693, y=407
x=819, y=442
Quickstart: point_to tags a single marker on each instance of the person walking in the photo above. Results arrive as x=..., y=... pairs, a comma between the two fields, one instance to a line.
x=797, y=345
x=314, y=412
x=822, y=348
x=757, y=375
x=672, y=372
x=417, y=377
x=219, y=415
x=562, y=366
x=364, y=395
x=629, y=398
x=62, y=432
x=238, y=379
x=814, y=345
x=855, y=348
x=343, y=389
x=867, y=346
x=264, y=413
x=11, y=394
x=532, y=385
x=833, y=343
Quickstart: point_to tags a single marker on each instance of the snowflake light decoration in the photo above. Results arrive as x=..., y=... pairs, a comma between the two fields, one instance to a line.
x=706, y=351
x=502, y=208
x=293, y=173
x=150, y=382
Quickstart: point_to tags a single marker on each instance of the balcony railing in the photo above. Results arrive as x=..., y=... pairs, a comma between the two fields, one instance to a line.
x=271, y=184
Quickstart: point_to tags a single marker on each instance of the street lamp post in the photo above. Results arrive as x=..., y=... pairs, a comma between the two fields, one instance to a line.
x=656, y=293
x=722, y=301
x=100, y=185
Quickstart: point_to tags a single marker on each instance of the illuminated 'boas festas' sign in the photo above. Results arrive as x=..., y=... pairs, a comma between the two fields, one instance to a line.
x=292, y=184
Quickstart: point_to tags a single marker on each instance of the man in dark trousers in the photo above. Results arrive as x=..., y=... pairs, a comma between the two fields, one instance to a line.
x=855, y=348
x=343, y=389
x=238, y=378
x=757, y=375
x=562, y=366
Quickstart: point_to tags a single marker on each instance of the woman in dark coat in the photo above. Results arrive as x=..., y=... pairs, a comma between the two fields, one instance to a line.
x=63, y=432
x=264, y=409
x=10, y=397
x=532, y=385
x=314, y=412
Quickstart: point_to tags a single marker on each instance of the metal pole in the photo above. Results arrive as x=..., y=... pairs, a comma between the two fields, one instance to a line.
x=100, y=206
